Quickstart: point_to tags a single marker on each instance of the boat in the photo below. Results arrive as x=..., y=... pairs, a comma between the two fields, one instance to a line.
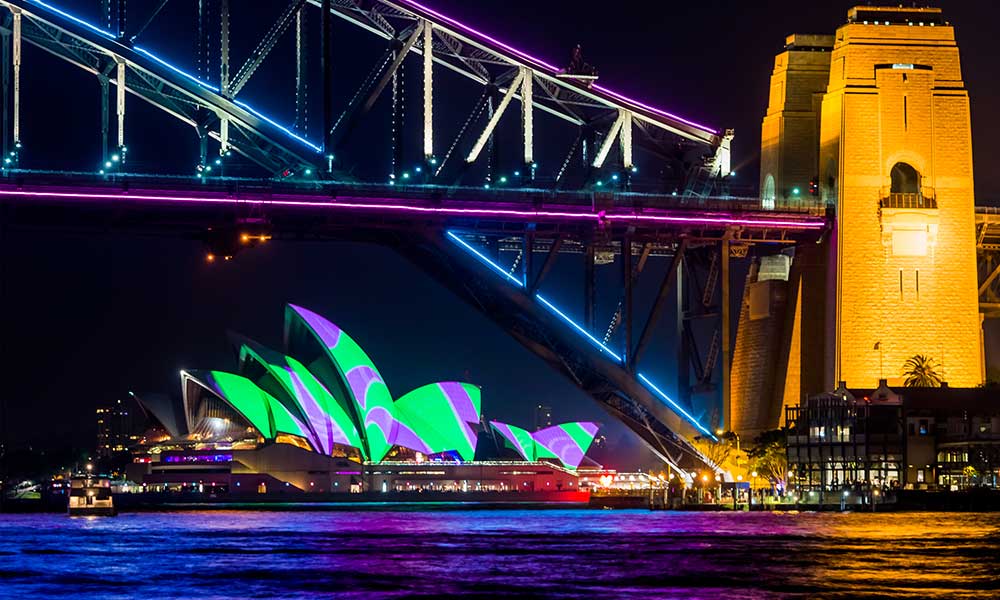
x=90, y=496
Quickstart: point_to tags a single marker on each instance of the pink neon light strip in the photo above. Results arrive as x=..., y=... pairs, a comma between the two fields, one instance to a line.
x=542, y=63
x=390, y=205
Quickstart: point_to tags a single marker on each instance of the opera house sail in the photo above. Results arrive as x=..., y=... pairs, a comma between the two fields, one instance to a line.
x=323, y=394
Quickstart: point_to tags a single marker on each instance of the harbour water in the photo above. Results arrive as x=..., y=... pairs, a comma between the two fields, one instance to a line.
x=488, y=553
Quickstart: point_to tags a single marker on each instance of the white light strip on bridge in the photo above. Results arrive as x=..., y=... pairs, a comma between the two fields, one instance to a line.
x=486, y=260
x=578, y=327
x=677, y=407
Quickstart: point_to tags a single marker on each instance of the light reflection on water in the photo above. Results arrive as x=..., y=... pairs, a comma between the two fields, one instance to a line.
x=486, y=553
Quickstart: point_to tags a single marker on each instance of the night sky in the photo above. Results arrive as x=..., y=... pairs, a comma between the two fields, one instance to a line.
x=88, y=318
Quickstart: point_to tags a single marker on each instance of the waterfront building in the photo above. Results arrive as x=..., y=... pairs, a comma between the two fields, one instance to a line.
x=114, y=429
x=318, y=417
x=938, y=438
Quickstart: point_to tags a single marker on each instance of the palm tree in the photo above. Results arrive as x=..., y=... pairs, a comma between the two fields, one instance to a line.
x=921, y=371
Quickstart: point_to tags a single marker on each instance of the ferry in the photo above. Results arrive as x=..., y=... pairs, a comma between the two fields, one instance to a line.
x=90, y=496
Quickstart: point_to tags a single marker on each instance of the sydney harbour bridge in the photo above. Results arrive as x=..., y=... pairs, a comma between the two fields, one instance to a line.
x=477, y=162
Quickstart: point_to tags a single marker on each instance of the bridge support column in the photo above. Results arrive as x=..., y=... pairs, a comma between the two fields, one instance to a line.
x=5, y=76
x=105, y=118
x=224, y=72
x=121, y=18
x=301, y=73
x=627, y=301
x=527, y=260
x=589, y=292
x=428, y=50
x=120, y=82
x=725, y=333
x=683, y=347
x=16, y=64
x=326, y=60
x=528, y=121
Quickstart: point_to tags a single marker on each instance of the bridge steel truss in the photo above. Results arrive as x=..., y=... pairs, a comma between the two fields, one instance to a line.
x=459, y=243
x=988, y=260
x=209, y=100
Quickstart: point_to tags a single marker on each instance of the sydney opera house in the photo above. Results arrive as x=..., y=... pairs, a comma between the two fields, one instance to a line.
x=319, y=417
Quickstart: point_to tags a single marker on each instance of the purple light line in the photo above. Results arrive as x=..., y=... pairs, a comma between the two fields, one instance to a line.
x=549, y=66
x=392, y=205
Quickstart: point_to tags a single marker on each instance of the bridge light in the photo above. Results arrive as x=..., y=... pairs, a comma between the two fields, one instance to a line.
x=486, y=186
x=614, y=177
x=796, y=191
x=635, y=169
x=107, y=165
x=392, y=175
x=100, y=172
x=115, y=158
x=208, y=167
x=229, y=152
x=517, y=173
x=218, y=161
x=309, y=171
x=8, y=161
x=433, y=161
x=503, y=179
x=732, y=173
x=418, y=169
x=199, y=175
x=600, y=183
x=406, y=175
x=17, y=145
x=674, y=193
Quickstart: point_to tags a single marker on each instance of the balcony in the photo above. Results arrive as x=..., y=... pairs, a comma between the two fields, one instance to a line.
x=908, y=201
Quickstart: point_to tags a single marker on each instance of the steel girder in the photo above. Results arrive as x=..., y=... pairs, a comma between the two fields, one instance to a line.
x=487, y=61
x=615, y=387
x=181, y=95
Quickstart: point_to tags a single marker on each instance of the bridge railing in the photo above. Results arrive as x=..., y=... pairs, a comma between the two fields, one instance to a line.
x=519, y=196
x=915, y=200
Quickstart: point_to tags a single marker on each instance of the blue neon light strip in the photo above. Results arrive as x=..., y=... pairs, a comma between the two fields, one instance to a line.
x=279, y=126
x=677, y=408
x=486, y=260
x=175, y=69
x=76, y=20
x=577, y=326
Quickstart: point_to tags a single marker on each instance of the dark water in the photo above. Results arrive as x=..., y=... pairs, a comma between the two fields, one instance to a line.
x=544, y=554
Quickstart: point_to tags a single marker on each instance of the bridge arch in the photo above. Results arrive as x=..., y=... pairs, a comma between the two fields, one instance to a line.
x=767, y=193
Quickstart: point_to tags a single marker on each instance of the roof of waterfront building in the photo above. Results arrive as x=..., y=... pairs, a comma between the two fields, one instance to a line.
x=324, y=394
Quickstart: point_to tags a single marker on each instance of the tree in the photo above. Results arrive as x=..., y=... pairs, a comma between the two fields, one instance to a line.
x=769, y=455
x=921, y=371
x=717, y=452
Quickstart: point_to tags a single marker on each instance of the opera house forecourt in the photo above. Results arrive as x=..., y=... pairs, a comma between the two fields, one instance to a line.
x=318, y=418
